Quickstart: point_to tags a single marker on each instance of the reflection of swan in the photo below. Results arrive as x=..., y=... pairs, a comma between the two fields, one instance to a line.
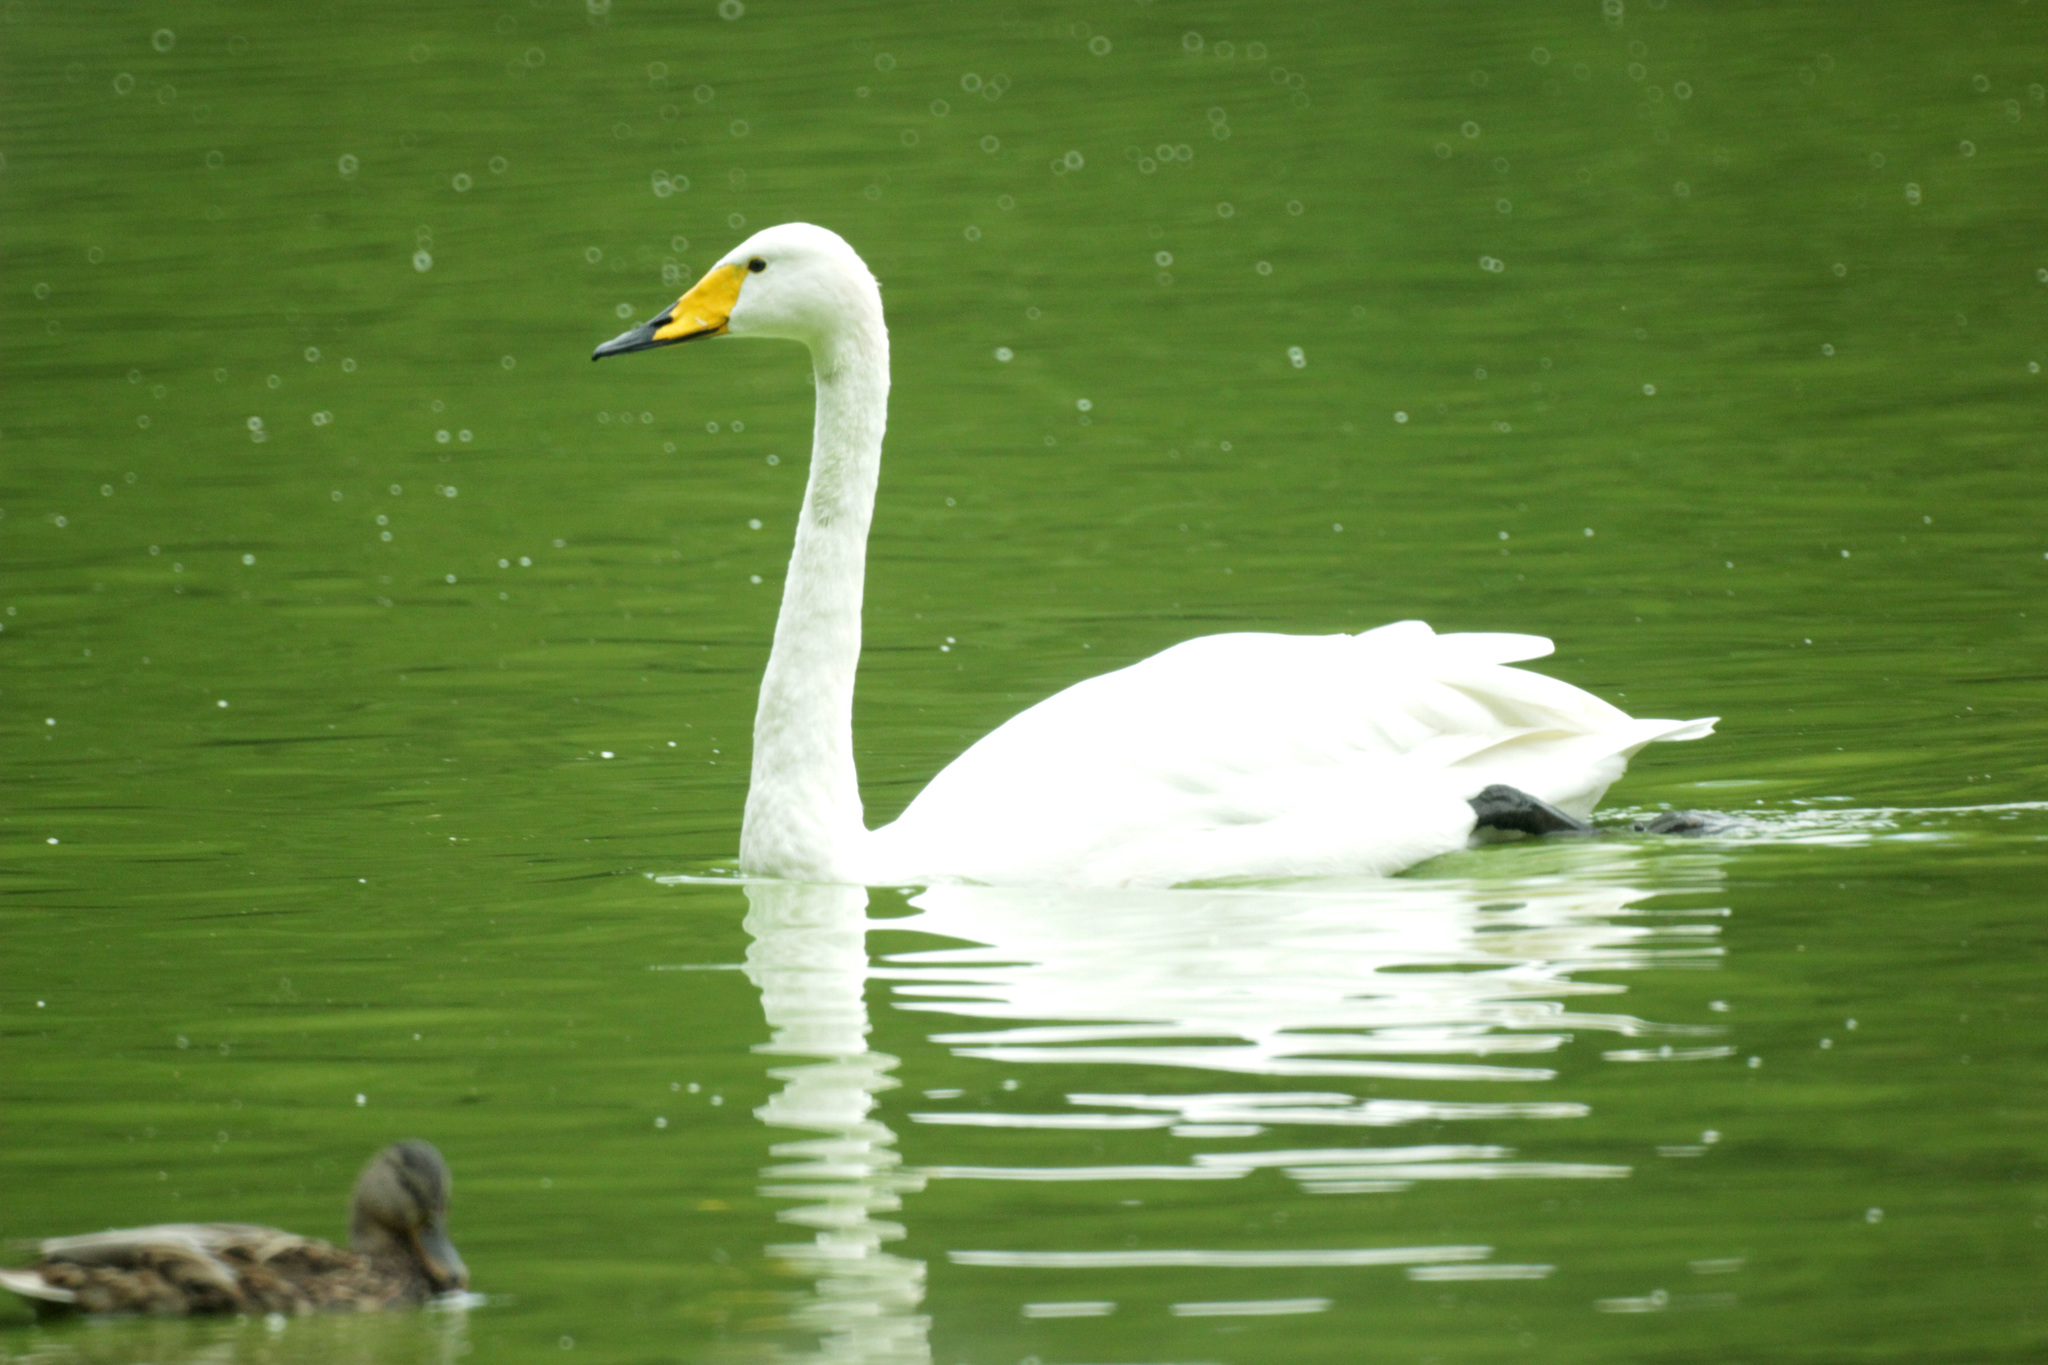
x=1239, y=755
x=809, y=959
x=1412, y=982
x=1316, y=1006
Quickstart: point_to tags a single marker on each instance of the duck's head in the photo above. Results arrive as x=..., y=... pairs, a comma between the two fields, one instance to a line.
x=794, y=281
x=400, y=1214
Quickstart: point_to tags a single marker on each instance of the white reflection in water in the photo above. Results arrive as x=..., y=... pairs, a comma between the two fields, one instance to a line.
x=1389, y=981
x=809, y=959
x=1392, y=981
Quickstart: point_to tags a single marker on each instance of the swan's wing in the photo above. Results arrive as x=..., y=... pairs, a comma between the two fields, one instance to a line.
x=1254, y=754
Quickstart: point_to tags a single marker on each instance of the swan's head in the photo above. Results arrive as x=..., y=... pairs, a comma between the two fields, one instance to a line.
x=794, y=281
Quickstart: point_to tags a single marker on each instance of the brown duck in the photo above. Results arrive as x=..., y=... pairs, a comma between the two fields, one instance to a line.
x=397, y=1226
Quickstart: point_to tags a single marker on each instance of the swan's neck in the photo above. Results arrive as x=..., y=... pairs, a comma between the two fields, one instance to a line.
x=803, y=816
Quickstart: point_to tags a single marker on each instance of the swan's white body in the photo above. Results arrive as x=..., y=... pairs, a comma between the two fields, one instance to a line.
x=1245, y=755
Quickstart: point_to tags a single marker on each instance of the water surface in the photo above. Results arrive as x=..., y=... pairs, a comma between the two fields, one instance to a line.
x=371, y=660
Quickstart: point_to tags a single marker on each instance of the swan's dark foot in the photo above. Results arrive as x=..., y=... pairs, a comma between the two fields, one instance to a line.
x=1692, y=823
x=1512, y=810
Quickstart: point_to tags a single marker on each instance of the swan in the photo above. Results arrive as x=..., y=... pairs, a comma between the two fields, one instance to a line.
x=1246, y=755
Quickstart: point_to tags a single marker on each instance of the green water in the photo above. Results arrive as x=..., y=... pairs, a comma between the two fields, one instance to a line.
x=1705, y=340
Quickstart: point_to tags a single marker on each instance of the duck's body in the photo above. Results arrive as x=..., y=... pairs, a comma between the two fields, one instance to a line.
x=402, y=1257
x=1229, y=756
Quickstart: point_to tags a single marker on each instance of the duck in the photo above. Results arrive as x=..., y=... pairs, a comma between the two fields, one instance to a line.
x=400, y=1257
x=1239, y=756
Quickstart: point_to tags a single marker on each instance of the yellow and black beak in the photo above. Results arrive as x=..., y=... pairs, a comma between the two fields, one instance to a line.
x=700, y=313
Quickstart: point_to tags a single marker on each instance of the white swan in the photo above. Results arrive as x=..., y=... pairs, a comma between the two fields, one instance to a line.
x=1229, y=756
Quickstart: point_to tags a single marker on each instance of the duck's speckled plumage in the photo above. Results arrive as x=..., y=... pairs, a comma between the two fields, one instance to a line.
x=402, y=1256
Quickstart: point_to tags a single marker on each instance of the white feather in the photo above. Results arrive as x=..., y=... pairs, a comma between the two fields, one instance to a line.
x=1228, y=756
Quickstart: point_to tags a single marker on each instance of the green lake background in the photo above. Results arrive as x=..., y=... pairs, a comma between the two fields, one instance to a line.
x=368, y=659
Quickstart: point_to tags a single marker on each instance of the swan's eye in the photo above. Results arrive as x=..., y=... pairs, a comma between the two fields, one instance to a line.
x=757, y=265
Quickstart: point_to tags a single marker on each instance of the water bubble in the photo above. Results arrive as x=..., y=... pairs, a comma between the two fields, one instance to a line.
x=1191, y=42
x=462, y=182
x=1540, y=56
x=1264, y=267
x=1877, y=1215
x=123, y=83
x=499, y=165
x=1294, y=207
x=1876, y=160
x=972, y=233
x=873, y=191
x=1682, y=90
x=163, y=40
x=735, y=221
x=1004, y=353
x=1005, y=202
x=348, y=165
x=321, y=419
x=535, y=57
x=273, y=381
x=884, y=62
x=418, y=52
x=422, y=260
x=593, y=254
x=1400, y=417
x=143, y=421
x=1649, y=390
x=1074, y=161
x=1084, y=405
x=348, y=366
x=462, y=435
x=1503, y=206
x=1297, y=357
x=442, y=436
x=1099, y=45
x=970, y=82
x=1912, y=193
x=1492, y=264
x=41, y=291
x=1162, y=259
x=910, y=137
x=1469, y=128
x=1146, y=165
x=991, y=144
x=1225, y=210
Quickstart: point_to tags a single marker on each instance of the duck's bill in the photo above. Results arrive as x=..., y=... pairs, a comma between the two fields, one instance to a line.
x=702, y=312
x=444, y=1264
